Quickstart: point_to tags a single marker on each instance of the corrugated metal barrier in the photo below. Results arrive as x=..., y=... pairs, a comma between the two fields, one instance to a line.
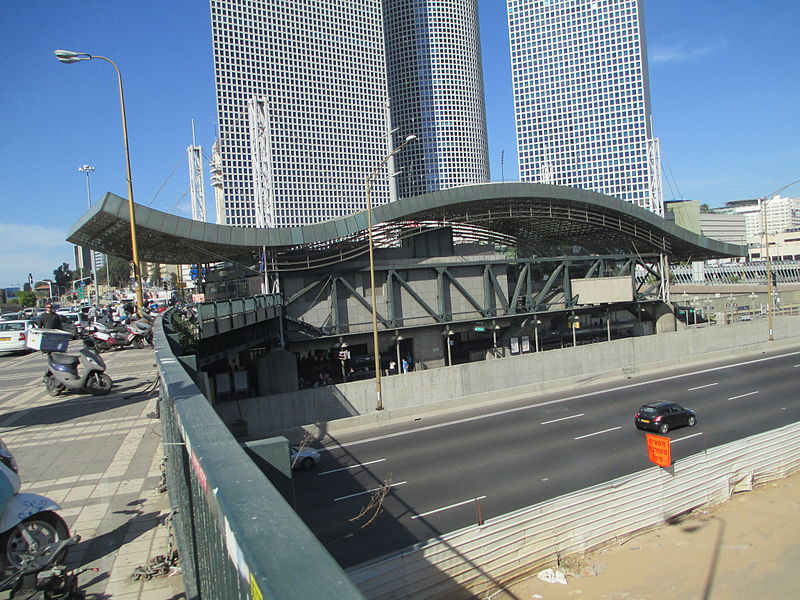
x=479, y=559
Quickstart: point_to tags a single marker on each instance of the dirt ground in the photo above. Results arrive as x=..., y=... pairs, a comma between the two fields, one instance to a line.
x=747, y=547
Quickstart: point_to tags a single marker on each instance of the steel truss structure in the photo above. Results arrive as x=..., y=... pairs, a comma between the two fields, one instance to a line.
x=514, y=287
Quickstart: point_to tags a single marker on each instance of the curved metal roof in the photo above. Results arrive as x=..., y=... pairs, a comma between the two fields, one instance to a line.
x=545, y=218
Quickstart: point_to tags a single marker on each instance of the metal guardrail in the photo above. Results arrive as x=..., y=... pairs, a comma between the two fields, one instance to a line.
x=236, y=535
x=220, y=316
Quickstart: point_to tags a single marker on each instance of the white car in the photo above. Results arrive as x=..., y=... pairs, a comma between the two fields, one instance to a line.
x=303, y=459
x=14, y=334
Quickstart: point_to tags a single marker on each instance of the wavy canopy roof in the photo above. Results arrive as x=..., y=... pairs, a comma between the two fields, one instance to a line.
x=548, y=219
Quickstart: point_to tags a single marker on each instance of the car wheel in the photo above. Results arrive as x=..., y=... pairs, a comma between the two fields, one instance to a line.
x=691, y=422
x=307, y=463
x=663, y=428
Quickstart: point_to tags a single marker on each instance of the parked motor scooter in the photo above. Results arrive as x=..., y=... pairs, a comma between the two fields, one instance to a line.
x=107, y=337
x=63, y=372
x=142, y=329
x=29, y=525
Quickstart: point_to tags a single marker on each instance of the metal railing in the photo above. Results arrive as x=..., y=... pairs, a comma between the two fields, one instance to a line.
x=237, y=537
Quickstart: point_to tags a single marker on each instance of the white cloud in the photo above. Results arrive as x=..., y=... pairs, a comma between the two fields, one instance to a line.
x=32, y=249
x=682, y=51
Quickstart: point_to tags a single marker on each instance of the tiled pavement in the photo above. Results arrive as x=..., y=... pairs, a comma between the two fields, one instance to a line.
x=99, y=458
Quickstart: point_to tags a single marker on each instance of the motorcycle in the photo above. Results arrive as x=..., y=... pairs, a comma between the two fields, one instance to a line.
x=29, y=526
x=63, y=373
x=142, y=329
x=107, y=337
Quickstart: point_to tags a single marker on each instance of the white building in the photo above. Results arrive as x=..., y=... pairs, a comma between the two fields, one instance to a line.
x=304, y=100
x=582, y=98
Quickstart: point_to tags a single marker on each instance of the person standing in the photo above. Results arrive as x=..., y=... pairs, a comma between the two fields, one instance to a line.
x=405, y=365
x=49, y=319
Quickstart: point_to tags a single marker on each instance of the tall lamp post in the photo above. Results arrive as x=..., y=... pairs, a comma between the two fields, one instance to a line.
x=68, y=57
x=370, y=177
x=770, y=307
x=89, y=169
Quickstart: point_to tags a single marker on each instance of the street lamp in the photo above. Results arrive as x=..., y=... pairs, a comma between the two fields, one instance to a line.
x=536, y=323
x=447, y=333
x=763, y=202
x=370, y=177
x=89, y=169
x=397, y=339
x=68, y=57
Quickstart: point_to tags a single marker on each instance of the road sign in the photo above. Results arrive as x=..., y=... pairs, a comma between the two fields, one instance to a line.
x=658, y=450
x=479, y=328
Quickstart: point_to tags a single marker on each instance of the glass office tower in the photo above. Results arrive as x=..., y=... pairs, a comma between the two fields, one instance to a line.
x=582, y=98
x=301, y=104
x=435, y=80
x=307, y=107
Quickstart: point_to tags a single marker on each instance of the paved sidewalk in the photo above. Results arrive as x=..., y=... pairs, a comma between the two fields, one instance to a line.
x=99, y=459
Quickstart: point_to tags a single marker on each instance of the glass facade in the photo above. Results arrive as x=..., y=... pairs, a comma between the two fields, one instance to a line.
x=318, y=66
x=582, y=99
x=435, y=80
x=303, y=104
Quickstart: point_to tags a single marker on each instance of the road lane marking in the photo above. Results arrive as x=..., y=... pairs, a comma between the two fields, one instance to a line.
x=580, y=437
x=687, y=437
x=700, y=387
x=742, y=395
x=507, y=411
x=430, y=512
x=372, y=462
x=368, y=491
x=561, y=419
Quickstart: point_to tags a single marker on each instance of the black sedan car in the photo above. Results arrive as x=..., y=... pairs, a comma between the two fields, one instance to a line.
x=663, y=416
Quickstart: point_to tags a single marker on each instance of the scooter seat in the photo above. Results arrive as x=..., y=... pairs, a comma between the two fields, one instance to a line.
x=62, y=358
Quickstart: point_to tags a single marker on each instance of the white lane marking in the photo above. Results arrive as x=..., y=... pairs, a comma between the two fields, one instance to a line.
x=551, y=402
x=742, y=395
x=580, y=437
x=430, y=512
x=700, y=387
x=795, y=366
x=372, y=462
x=687, y=437
x=368, y=491
x=561, y=419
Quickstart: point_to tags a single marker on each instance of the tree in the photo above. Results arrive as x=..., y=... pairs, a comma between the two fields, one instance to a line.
x=704, y=208
x=63, y=277
x=25, y=299
x=155, y=275
x=119, y=271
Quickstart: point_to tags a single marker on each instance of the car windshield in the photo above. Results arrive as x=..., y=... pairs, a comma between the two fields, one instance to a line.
x=12, y=326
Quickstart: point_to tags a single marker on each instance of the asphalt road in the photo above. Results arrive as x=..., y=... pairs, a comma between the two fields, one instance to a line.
x=448, y=471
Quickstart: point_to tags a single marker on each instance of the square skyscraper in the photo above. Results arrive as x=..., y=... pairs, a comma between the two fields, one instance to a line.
x=582, y=98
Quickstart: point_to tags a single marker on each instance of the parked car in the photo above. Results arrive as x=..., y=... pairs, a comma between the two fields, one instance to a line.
x=663, y=416
x=13, y=316
x=304, y=458
x=14, y=334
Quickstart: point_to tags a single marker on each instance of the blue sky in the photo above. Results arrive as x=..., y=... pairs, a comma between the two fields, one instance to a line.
x=723, y=78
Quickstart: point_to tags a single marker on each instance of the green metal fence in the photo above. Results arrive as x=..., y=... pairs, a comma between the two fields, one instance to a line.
x=236, y=535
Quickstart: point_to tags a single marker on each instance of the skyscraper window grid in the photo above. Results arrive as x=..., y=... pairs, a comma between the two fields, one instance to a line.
x=435, y=81
x=581, y=95
x=319, y=68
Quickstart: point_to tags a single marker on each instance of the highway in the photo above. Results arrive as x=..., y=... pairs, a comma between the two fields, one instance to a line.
x=446, y=471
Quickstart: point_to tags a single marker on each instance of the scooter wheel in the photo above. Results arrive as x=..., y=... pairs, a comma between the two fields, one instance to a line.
x=100, y=346
x=138, y=343
x=53, y=387
x=42, y=528
x=99, y=384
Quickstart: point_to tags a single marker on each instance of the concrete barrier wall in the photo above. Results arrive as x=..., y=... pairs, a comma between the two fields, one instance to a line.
x=478, y=561
x=352, y=404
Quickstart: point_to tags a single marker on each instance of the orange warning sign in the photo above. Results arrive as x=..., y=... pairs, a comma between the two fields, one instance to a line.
x=658, y=450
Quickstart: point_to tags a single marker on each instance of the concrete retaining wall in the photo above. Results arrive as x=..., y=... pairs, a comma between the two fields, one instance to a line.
x=353, y=404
